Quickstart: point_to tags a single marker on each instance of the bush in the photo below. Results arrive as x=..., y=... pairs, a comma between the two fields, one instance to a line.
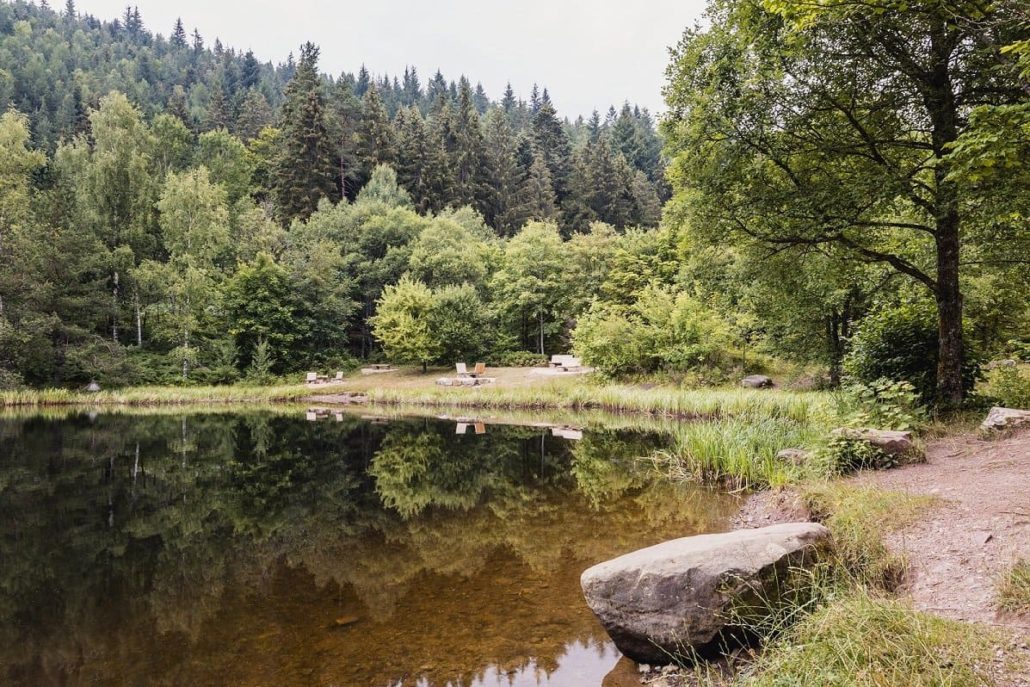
x=900, y=343
x=662, y=330
x=10, y=380
x=517, y=359
x=882, y=404
x=1008, y=386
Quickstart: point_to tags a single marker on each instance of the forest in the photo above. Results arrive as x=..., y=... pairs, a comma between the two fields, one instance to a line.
x=168, y=206
x=178, y=213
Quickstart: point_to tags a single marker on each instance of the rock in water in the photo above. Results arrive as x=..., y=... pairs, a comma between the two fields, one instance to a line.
x=1000, y=419
x=888, y=441
x=756, y=382
x=675, y=598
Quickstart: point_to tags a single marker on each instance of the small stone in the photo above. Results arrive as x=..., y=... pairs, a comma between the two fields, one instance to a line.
x=345, y=620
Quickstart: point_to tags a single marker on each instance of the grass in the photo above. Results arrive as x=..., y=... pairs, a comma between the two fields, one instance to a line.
x=859, y=517
x=161, y=395
x=739, y=452
x=1014, y=590
x=582, y=395
x=847, y=631
x=862, y=639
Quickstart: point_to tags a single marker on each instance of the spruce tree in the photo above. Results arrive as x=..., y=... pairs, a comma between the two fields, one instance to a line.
x=304, y=169
x=179, y=34
x=539, y=191
x=508, y=103
x=550, y=139
x=250, y=73
x=376, y=137
x=255, y=115
x=468, y=158
x=506, y=211
x=422, y=165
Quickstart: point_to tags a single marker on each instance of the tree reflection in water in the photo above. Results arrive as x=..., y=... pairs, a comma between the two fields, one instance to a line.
x=256, y=548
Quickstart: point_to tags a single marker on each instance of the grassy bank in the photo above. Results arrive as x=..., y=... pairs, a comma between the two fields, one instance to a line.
x=848, y=631
x=159, y=395
x=582, y=395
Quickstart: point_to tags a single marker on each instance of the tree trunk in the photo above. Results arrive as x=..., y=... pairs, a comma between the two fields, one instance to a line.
x=114, y=310
x=542, y=333
x=949, y=313
x=139, y=321
x=942, y=107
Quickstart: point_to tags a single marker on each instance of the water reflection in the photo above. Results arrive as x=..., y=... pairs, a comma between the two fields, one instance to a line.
x=261, y=549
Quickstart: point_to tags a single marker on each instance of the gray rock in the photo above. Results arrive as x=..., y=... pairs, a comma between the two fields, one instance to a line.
x=1000, y=419
x=889, y=441
x=675, y=598
x=794, y=456
x=756, y=382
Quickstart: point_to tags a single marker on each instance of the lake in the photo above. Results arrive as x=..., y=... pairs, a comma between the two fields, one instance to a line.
x=262, y=548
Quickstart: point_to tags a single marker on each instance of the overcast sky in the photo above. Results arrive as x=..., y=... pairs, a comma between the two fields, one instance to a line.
x=589, y=54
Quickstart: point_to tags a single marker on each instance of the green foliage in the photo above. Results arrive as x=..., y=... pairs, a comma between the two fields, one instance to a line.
x=1007, y=386
x=517, y=359
x=262, y=361
x=662, y=330
x=404, y=323
x=883, y=404
x=898, y=343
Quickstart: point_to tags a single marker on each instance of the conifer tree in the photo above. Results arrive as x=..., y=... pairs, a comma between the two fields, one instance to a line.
x=508, y=103
x=178, y=107
x=539, y=191
x=468, y=158
x=550, y=139
x=304, y=169
x=219, y=110
x=250, y=73
x=69, y=10
x=506, y=211
x=179, y=34
x=255, y=115
x=422, y=165
x=376, y=137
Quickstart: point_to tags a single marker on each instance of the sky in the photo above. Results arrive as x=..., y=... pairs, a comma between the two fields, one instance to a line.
x=588, y=54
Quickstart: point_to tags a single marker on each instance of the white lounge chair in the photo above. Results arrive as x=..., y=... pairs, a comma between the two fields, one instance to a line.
x=311, y=378
x=462, y=369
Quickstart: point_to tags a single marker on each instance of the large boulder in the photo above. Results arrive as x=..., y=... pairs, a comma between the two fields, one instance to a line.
x=895, y=443
x=1001, y=419
x=756, y=382
x=677, y=598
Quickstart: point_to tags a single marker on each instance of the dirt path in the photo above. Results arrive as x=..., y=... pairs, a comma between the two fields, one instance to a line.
x=959, y=551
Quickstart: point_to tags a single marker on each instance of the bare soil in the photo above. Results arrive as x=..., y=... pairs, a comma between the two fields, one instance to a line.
x=958, y=553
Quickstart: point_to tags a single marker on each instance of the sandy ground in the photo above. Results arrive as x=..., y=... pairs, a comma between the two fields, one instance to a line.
x=413, y=378
x=957, y=554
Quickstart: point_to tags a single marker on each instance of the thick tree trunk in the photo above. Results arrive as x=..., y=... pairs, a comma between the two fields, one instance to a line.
x=939, y=97
x=949, y=313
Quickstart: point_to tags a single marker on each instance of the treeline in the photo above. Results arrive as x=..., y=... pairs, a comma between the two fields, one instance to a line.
x=451, y=145
x=142, y=254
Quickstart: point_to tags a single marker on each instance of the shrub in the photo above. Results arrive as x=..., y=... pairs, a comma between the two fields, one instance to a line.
x=662, y=330
x=10, y=380
x=882, y=404
x=1008, y=386
x=517, y=359
x=900, y=343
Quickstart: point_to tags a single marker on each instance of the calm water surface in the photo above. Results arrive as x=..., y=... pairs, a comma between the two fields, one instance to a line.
x=259, y=548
